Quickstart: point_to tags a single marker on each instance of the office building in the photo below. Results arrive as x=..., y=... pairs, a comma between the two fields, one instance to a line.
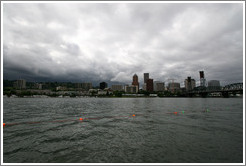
x=135, y=80
x=202, y=78
x=20, y=84
x=102, y=92
x=155, y=85
x=38, y=86
x=213, y=85
x=117, y=87
x=149, y=85
x=103, y=85
x=84, y=86
x=146, y=77
x=190, y=84
x=144, y=86
x=159, y=86
x=61, y=88
x=174, y=87
x=131, y=89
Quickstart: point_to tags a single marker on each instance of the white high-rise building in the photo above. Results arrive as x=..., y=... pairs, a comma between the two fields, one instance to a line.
x=190, y=84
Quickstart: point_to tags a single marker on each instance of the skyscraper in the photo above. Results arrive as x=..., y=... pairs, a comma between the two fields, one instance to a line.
x=135, y=80
x=146, y=77
x=103, y=85
x=202, y=79
x=149, y=85
x=189, y=83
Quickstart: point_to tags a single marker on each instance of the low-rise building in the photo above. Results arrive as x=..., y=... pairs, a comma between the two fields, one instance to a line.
x=38, y=86
x=153, y=95
x=102, y=92
x=61, y=88
x=83, y=86
x=20, y=84
x=131, y=89
x=117, y=87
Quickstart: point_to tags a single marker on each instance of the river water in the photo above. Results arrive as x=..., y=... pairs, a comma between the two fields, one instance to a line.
x=163, y=130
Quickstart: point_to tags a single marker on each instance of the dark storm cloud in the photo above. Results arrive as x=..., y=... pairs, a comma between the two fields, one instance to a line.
x=97, y=42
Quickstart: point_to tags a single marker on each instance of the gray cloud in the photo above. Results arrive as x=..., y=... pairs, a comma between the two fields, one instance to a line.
x=99, y=41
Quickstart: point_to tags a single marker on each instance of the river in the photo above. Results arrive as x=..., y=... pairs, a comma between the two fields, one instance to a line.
x=123, y=130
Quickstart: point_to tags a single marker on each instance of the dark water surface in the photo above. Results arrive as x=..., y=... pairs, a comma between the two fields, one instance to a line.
x=210, y=130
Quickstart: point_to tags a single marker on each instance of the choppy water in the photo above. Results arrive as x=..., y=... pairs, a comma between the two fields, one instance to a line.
x=210, y=130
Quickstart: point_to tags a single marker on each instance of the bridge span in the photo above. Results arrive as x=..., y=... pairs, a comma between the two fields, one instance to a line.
x=226, y=91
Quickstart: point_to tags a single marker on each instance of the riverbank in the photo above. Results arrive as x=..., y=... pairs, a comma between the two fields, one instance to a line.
x=46, y=96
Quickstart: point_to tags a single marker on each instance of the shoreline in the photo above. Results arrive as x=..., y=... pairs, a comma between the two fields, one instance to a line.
x=45, y=96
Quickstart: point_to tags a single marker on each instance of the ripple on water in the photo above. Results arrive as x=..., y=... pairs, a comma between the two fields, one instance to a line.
x=110, y=134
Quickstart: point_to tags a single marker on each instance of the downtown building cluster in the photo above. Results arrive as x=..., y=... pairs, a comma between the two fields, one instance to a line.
x=148, y=85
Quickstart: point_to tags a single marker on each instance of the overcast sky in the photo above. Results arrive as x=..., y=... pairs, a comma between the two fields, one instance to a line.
x=96, y=42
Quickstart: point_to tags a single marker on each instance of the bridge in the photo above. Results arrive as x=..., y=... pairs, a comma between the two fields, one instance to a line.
x=226, y=91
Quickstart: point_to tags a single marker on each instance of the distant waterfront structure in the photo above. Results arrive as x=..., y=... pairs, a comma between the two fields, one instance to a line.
x=146, y=77
x=144, y=86
x=159, y=86
x=202, y=78
x=155, y=85
x=174, y=87
x=87, y=86
x=84, y=86
x=102, y=92
x=92, y=91
x=149, y=85
x=190, y=84
x=20, y=84
x=61, y=88
x=117, y=87
x=135, y=80
x=78, y=85
x=103, y=85
x=38, y=86
x=213, y=85
x=131, y=89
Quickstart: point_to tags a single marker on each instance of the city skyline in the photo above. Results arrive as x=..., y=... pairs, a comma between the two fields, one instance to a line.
x=111, y=42
x=148, y=84
x=143, y=84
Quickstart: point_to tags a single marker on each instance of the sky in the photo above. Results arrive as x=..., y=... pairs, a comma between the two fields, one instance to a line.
x=95, y=42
